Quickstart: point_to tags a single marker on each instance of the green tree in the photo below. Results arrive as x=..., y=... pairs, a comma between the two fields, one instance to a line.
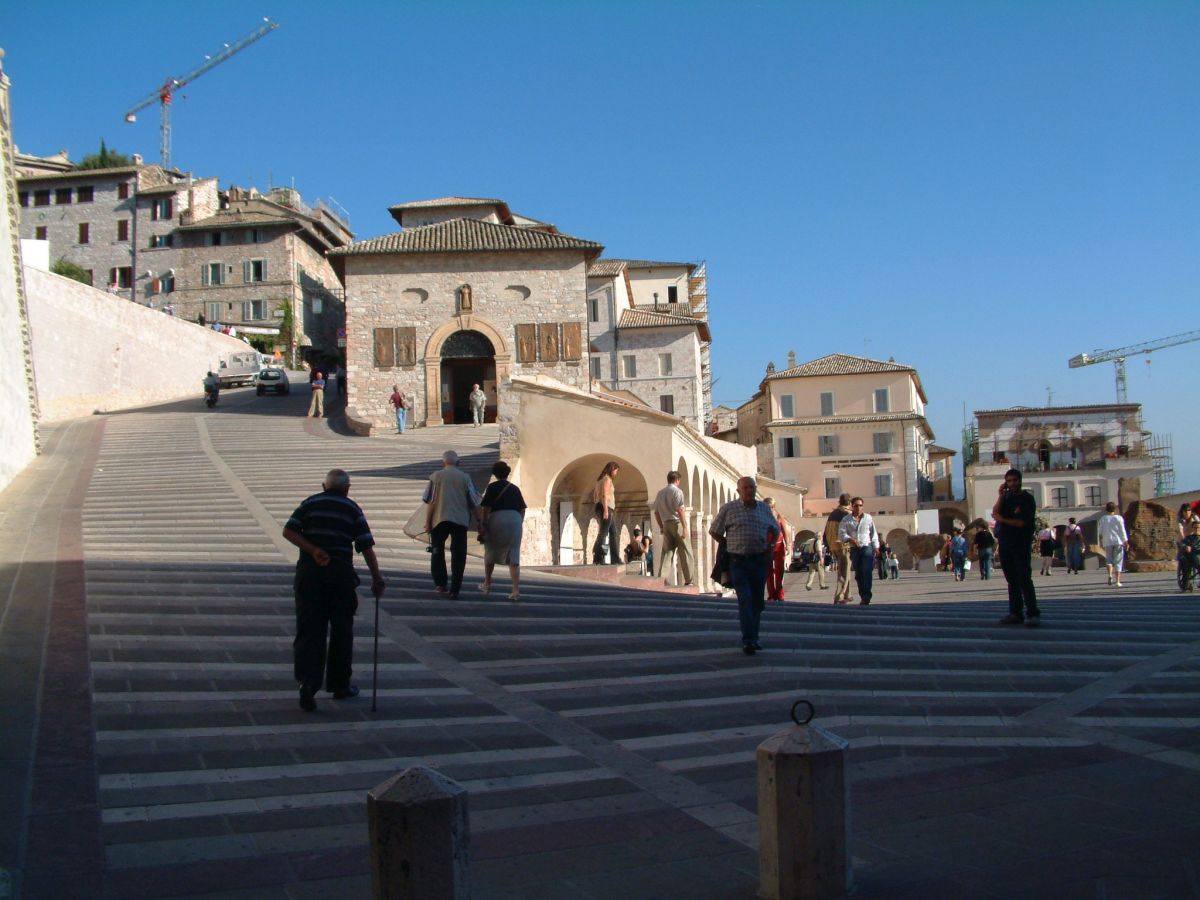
x=70, y=270
x=105, y=159
x=287, y=330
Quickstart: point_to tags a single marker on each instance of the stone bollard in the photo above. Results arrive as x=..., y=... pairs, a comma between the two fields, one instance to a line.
x=420, y=838
x=803, y=814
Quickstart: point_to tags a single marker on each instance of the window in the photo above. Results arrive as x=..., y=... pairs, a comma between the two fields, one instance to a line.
x=212, y=239
x=318, y=305
x=91, y=277
x=881, y=400
x=212, y=312
x=827, y=444
x=883, y=485
x=62, y=197
x=160, y=240
x=24, y=195
x=664, y=364
x=787, y=406
x=84, y=233
x=121, y=276
x=1094, y=495
x=254, y=270
x=787, y=447
x=212, y=273
x=41, y=198
x=254, y=236
x=672, y=294
x=166, y=283
x=595, y=364
x=883, y=442
x=629, y=364
x=84, y=194
x=40, y=233
x=123, y=190
x=160, y=210
x=666, y=403
x=122, y=229
x=593, y=309
x=833, y=487
x=827, y=403
x=253, y=310
x=1058, y=497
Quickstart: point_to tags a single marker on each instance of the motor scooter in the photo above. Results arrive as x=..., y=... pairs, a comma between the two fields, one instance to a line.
x=211, y=394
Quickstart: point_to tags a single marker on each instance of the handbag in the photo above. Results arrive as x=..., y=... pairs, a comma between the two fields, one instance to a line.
x=720, y=570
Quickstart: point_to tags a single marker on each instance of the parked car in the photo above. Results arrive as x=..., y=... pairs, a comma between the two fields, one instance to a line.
x=803, y=555
x=273, y=381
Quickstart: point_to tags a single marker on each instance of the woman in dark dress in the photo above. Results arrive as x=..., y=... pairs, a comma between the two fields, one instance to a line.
x=502, y=518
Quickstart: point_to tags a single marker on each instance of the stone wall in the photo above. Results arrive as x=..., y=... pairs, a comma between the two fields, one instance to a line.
x=421, y=291
x=18, y=412
x=93, y=352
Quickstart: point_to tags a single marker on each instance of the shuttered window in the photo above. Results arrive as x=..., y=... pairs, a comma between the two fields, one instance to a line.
x=526, y=343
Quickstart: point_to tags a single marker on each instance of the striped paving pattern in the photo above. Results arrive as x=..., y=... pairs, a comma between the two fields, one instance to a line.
x=606, y=736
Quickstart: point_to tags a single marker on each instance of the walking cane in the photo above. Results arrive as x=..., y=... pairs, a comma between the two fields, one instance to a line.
x=375, y=663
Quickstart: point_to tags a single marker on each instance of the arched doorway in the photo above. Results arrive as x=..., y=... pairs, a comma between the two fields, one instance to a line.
x=468, y=358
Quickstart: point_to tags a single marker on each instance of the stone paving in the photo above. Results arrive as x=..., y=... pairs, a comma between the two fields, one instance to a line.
x=606, y=736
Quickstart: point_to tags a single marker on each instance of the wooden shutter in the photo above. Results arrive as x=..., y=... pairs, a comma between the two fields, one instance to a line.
x=572, y=340
x=548, y=342
x=385, y=348
x=246, y=275
x=527, y=343
x=406, y=346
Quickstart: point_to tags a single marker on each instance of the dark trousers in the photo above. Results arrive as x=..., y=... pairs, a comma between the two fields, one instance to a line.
x=985, y=563
x=1018, y=572
x=749, y=577
x=608, y=532
x=862, y=563
x=325, y=607
x=458, y=554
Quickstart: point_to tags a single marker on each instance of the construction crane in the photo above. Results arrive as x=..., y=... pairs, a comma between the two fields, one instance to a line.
x=1118, y=357
x=164, y=94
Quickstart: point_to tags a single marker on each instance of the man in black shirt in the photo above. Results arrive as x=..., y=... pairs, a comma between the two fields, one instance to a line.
x=1014, y=514
x=985, y=546
x=328, y=527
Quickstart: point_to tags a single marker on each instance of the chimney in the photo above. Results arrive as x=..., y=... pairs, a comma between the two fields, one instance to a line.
x=770, y=368
x=791, y=359
x=137, y=159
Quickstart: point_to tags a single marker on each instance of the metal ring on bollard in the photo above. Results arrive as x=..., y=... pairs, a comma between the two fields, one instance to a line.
x=811, y=712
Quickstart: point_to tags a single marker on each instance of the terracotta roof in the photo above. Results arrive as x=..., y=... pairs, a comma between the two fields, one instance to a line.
x=844, y=364
x=227, y=218
x=937, y=448
x=835, y=422
x=606, y=268
x=467, y=235
x=449, y=201
x=652, y=264
x=645, y=318
x=1053, y=410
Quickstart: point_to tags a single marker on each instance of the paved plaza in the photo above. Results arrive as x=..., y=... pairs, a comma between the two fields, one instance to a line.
x=151, y=744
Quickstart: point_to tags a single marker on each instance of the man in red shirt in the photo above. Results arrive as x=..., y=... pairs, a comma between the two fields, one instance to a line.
x=400, y=404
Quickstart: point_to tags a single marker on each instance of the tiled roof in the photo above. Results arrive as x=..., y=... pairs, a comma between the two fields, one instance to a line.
x=845, y=364
x=448, y=201
x=606, y=268
x=652, y=264
x=937, y=448
x=645, y=318
x=834, y=422
x=1054, y=410
x=467, y=235
x=238, y=218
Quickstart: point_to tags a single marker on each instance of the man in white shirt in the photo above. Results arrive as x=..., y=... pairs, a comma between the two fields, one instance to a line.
x=857, y=531
x=1115, y=541
x=672, y=519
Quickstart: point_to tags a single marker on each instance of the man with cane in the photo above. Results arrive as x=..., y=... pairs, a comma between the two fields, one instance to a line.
x=328, y=527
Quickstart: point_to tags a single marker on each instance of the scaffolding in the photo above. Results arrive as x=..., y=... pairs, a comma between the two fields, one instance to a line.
x=698, y=305
x=1162, y=452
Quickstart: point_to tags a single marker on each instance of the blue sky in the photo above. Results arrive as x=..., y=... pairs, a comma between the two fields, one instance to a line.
x=980, y=190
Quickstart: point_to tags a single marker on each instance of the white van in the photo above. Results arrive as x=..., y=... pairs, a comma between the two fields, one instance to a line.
x=239, y=368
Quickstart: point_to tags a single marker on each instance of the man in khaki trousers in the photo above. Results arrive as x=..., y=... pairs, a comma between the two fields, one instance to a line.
x=671, y=518
x=841, y=553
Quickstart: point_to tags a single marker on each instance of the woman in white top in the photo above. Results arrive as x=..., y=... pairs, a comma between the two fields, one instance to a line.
x=1115, y=540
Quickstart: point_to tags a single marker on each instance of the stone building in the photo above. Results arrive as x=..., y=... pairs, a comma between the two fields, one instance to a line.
x=469, y=292
x=116, y=223
x=843, y=423
x=1075, y=459
x=648, y=334
x=256, y=257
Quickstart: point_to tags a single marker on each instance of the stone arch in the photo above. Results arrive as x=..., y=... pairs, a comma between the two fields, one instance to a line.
x=432, y=362
x=573, y=485
x=948, y=515
x=897, y=539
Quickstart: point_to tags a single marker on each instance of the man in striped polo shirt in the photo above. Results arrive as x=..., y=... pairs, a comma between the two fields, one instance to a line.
x=328, y=527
